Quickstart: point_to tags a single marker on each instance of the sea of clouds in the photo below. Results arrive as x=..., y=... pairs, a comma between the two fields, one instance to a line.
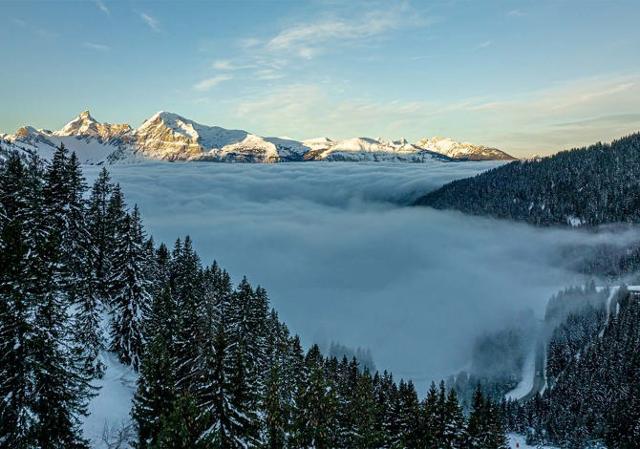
x=344, y=258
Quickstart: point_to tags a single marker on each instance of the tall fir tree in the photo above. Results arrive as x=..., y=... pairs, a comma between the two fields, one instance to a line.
x=101, y=231
x=21, y=193
x=485, y=429
x=62, y=381
x=131, y=290
x=156, y=393
x=315, y=412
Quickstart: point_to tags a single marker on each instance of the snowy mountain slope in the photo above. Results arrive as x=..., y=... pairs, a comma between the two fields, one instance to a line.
x=171, y=137
x=168, y=136
x=90, y=150
x=462, y=150
x=368, y=149
x=525, y=386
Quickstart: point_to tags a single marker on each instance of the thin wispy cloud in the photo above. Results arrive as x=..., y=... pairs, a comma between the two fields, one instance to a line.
x=268, y=74
x=607, y=104
x=516, y=13
x=151, y=21
x=94, y=46
x=308, y=39
x=484, y=44
x=305, y=40
x=298, y=106
x=536, y=121
x=102, y=7
x=209, y=83
x=228, y=65
x=40, y=31
x=249, y=42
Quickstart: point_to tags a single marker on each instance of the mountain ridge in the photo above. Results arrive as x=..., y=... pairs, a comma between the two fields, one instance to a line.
x=588, y=186
x=172, y=137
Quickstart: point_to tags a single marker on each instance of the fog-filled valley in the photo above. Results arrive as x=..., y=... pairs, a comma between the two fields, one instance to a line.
x=345, y=259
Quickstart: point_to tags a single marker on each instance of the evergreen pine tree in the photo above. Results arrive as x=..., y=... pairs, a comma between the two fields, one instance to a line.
x=131, y=292
x=453, y=433
x=409, y=422
x=155, y=397
x=62, y=384
x=485, y=429
x=315, y=412
x=100, y=231
x=20, y=221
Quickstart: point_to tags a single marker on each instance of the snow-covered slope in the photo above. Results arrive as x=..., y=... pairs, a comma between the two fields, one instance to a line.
x=368, y=149
x=525, y=385
x=462, y=150
x=171, y=137
x=90, y=149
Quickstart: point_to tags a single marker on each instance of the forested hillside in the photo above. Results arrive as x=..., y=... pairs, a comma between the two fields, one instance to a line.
x=216, y=366
x=593, y=374
x=581, y=187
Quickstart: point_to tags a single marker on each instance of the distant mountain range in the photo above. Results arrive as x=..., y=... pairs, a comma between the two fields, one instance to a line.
x=171, y=137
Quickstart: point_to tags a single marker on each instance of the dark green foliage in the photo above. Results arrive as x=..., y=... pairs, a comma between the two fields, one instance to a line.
x=594, y=185
x=130, y=290
x=593, y=377
x=486, y=428
x=181, y=428
x=46, y=293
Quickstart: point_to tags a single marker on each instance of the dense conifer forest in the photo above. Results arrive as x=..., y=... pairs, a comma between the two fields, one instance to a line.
x=591, y=398
x=216, y=367
x=588, y=186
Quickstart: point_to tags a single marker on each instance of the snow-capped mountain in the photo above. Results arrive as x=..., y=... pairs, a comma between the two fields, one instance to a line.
x=92, y=142
x=171, y=137
x=462, y=150
x=86, y=126
x=365, y=148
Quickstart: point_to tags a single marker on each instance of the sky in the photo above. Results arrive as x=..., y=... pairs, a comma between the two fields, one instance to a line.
x=528, y=77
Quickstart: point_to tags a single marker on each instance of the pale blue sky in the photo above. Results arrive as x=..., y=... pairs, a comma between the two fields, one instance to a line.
x=528, y=77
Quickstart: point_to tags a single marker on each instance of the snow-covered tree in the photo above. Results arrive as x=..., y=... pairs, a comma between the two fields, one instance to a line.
x=130, y=288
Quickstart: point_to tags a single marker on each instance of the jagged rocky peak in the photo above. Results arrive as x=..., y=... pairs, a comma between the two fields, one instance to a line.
x=86, y=115
x=167, y=122
x=84, y=125
x=166, y=135
x=25, y=132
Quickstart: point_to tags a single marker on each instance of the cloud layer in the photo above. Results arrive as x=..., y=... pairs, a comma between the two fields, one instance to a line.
x=342, y=261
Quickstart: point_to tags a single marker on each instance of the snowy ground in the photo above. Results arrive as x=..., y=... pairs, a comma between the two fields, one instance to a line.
x=528, y=375
x=109, y=410
x=342, y=262
x=518, y=442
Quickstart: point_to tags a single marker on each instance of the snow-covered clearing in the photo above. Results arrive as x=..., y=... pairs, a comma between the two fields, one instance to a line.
x=612, y=294
x=528, y=375
x=109, y=410
x=516, y=441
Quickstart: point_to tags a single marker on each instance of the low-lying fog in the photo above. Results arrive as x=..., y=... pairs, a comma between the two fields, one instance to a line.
x=342, y=261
